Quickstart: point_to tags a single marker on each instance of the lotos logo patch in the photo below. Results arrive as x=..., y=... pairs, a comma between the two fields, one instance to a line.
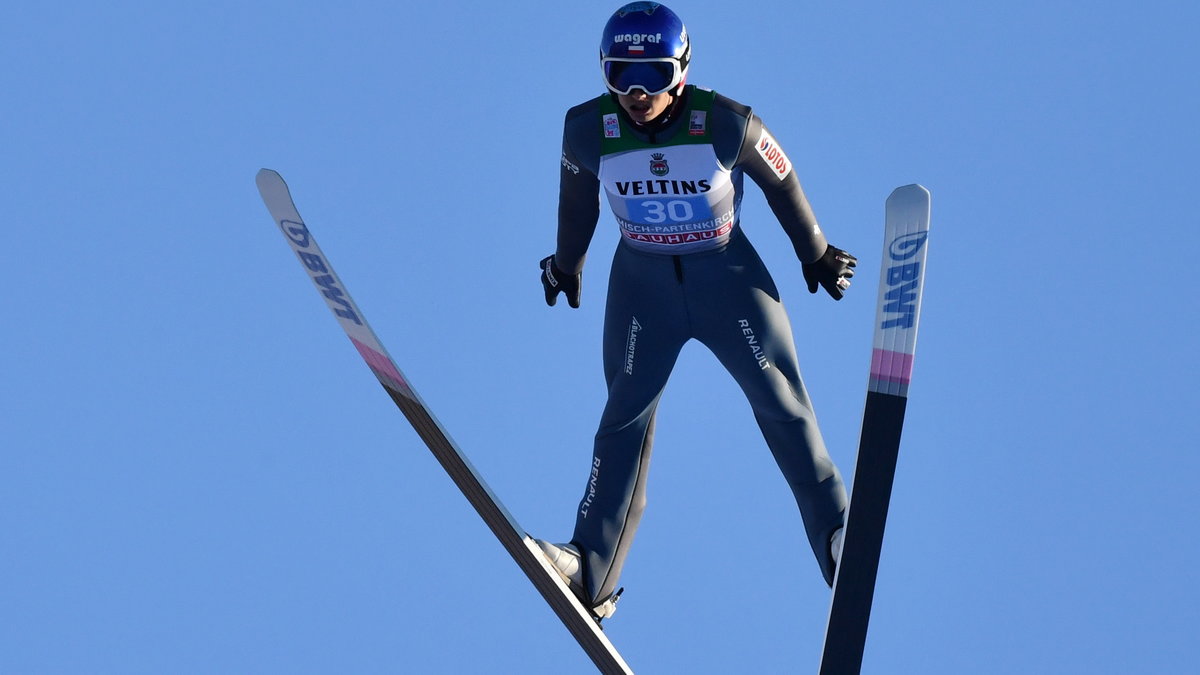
x=773, y=154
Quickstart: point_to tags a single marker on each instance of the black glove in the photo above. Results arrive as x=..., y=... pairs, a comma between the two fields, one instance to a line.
x=555, y=281
x=832, y=271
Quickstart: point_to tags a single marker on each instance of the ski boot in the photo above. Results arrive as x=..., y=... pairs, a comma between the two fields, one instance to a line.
x=835, y=545
x=568, y=563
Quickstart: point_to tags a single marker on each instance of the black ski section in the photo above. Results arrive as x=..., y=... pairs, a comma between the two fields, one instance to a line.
x=874, y=474
x=584, y=627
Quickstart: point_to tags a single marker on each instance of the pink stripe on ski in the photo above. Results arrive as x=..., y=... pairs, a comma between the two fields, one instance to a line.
x=890, y=366
x=382, y=366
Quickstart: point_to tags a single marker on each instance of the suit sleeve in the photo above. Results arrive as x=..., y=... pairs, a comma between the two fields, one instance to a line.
x=578, y=188
x=768, y=166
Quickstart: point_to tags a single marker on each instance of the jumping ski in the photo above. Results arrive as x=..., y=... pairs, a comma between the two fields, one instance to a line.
x=906, y=232
x=519, y=545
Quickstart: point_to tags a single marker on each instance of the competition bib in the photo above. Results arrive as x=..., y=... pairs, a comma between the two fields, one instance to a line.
x=673, y=197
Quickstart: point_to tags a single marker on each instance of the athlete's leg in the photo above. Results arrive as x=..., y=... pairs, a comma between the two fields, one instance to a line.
x=744, y=323
x=645, y=326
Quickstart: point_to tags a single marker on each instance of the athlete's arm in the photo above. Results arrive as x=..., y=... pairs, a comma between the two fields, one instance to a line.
x=578, y=187
x=745, y=139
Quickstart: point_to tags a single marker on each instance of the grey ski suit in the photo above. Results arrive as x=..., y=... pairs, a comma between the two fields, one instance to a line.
x=685, y=270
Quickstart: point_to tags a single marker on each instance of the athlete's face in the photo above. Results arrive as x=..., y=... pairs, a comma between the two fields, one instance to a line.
x=642, y=107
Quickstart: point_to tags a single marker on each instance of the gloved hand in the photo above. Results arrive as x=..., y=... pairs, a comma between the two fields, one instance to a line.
x=831, y=271
x=556, y=281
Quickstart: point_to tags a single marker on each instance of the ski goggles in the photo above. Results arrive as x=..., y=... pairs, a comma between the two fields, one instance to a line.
x=653, y=76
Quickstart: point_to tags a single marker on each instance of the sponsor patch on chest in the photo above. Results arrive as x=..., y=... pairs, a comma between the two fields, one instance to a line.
x=773, y=155
x=612, y=126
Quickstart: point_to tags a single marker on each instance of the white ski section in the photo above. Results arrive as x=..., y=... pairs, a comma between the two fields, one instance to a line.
x=279, y=202
x=901, y=286
x=516, y=541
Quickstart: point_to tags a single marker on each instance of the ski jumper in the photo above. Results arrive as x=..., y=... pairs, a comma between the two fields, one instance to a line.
x=685, y=270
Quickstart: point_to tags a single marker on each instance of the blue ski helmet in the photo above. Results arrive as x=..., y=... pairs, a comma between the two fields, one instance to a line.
x=645, y=46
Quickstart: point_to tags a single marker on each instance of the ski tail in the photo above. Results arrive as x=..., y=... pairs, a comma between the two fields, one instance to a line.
x=898, y=311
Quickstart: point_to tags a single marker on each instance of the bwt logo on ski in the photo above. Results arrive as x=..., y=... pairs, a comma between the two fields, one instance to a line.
x=903, y=280
x=322, y=276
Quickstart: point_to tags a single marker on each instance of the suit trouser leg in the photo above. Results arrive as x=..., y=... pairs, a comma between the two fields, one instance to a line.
x=645, y=326
x=743, y=322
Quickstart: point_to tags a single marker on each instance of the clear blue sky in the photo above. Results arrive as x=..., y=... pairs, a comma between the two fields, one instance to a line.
x=198, y=474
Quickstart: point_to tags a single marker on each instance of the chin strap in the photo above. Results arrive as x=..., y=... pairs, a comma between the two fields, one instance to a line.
x=662, y=121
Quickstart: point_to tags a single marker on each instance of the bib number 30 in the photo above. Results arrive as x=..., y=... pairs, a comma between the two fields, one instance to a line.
x=676, y=210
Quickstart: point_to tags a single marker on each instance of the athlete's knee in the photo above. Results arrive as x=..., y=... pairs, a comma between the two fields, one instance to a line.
x=637, y=506
x=784, y=409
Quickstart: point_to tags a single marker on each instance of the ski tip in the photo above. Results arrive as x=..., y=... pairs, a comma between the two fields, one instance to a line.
x=913, y=196
x=267, y=177
x=912, y=189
